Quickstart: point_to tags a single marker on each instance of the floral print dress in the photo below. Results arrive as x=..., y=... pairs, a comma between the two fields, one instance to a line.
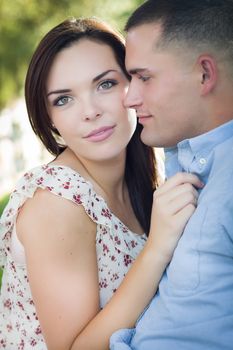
x=116, y=247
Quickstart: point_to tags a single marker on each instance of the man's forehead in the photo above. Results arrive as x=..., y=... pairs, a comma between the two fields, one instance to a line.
x=141, y=43
x=148, y=33
x=140, y=48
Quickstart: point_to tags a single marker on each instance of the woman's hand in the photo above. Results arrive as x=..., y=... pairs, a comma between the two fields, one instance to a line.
x=173, y=204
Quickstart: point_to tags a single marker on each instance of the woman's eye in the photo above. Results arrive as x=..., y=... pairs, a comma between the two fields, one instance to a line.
x=62, y=100
x=107, y=84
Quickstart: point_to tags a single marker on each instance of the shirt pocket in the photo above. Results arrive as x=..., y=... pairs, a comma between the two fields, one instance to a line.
x=183, y=271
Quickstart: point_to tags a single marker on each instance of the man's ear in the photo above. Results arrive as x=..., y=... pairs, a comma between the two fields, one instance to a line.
x=208, y=73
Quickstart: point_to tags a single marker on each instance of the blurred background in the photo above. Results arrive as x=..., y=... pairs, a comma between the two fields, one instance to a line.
x=22, y=24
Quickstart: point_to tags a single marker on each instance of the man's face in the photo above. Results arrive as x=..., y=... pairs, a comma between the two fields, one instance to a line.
x=164, y=89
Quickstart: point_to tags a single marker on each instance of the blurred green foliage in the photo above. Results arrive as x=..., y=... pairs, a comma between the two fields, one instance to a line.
x=24, y=22
x=3, y=202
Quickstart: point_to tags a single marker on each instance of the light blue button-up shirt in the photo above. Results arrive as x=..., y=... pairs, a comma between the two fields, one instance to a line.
x=193, y=308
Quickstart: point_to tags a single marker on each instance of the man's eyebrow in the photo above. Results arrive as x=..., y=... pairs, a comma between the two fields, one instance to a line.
x=62, y=91
x=137, y=70
x=100, y=76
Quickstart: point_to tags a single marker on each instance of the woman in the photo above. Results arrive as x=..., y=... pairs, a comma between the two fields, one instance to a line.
x=73, y=227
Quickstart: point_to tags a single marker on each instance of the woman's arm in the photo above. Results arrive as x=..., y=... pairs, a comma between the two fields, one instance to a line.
x=173, y=205
x=59, y=241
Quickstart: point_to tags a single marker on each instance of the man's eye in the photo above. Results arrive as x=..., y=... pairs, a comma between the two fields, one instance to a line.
x=62, y=100
x=140, y=77
x=107, y=84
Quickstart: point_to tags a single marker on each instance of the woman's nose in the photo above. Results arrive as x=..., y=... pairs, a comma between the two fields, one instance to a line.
x=91, y=110
x=91, y=115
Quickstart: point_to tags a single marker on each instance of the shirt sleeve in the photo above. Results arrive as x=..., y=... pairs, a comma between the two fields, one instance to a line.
x=120, y=340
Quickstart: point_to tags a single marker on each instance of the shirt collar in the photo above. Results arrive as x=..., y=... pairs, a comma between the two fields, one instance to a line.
x=199, y=148
x=210, y=139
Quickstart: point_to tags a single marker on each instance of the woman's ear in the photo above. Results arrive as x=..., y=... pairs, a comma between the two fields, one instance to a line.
x=208, y=73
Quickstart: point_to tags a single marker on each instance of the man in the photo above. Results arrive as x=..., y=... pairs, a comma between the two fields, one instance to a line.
x=180, y=57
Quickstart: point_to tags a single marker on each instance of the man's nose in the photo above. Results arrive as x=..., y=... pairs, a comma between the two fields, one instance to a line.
x=133, y=97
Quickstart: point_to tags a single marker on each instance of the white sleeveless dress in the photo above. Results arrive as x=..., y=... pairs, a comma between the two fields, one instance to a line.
x=116, y=247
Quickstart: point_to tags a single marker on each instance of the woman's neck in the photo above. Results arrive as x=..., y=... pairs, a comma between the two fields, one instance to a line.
x=108, y=181
x=107, y=176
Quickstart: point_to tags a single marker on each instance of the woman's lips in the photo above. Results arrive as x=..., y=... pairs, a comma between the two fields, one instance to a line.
x=100, y=134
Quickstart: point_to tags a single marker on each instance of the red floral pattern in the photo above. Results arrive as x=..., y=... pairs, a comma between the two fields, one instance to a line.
x=116, y=247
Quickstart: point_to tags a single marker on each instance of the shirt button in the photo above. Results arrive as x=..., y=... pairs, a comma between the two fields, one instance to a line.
x=202, y=161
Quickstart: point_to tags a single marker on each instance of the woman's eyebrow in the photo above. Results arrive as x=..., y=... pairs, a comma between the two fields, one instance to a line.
x=62, y=91
x=99, y=76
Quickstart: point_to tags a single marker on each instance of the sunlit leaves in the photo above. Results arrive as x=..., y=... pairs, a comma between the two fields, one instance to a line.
x=24, y=22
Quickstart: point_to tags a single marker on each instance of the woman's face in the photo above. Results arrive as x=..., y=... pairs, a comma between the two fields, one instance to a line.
x=85, y=93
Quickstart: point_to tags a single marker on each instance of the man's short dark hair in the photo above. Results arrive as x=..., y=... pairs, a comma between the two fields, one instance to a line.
x=198, y=23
